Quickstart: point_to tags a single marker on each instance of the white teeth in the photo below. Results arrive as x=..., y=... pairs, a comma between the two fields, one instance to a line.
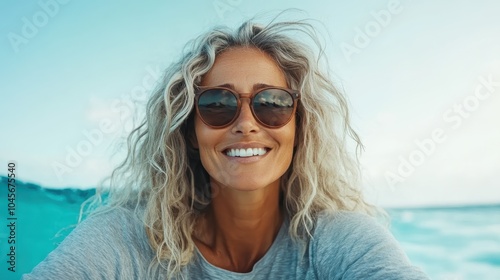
x=246, y=152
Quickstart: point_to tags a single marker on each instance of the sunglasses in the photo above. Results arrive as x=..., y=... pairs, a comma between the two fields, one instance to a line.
x=272, y=107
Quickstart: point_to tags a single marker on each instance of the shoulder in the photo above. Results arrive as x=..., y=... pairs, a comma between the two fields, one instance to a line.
x=348, y=226
x=115, y=225
x=114, y=220
x=347, y=235
x=344, y=220
x=98, y=246
x=109, y=227
x=350, y=245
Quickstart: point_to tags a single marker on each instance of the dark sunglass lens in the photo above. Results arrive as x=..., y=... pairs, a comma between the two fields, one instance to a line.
x=217, y=107
x=273, y=107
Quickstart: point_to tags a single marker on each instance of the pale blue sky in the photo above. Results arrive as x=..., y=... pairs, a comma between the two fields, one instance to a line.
x=88, y=60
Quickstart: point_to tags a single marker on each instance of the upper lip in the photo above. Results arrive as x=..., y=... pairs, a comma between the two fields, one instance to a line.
x=245, y=145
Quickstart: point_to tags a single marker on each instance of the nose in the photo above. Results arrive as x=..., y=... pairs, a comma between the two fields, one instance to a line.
x=245, y=123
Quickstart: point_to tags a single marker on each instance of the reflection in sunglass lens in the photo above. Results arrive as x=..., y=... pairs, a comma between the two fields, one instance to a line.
x=217, y=107
x=273, y=107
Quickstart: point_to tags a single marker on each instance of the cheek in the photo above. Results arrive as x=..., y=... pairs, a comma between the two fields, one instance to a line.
x=201, y=132
x=206, y=140
x=287, y=138
x=292, y=133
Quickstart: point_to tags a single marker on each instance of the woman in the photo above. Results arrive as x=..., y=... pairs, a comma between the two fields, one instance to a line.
x=239, y=171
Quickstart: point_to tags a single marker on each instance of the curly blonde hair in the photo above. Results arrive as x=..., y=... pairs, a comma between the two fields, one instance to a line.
x=163, y=176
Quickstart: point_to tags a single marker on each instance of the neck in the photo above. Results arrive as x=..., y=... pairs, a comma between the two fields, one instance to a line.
x=239, y=227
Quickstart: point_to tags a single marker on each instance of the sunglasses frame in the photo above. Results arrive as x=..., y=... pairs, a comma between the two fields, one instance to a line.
x=295, y=94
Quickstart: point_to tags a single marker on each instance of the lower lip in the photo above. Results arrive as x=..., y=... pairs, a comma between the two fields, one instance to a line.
x=247, y=159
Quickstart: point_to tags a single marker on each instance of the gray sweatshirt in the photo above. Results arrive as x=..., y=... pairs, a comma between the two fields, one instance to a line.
x=345, y=245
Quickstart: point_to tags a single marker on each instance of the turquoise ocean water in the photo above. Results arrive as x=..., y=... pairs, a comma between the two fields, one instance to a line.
x=447, y=243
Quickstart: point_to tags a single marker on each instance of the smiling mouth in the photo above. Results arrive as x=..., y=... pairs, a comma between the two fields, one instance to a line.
x=249, y=152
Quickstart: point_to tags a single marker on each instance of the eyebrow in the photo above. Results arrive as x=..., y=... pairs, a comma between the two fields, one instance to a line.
x=254, y=88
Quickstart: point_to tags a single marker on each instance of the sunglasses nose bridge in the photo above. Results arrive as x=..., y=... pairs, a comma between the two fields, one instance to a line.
x=245, y=114
x=243, y=103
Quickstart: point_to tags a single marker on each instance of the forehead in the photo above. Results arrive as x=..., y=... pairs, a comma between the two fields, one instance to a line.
x=244, y=67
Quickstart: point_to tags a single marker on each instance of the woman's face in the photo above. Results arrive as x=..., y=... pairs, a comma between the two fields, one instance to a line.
x=243, y=69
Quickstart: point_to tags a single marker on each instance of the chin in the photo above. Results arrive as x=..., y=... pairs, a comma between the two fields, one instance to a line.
x=250, y=184
x=247, y=188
